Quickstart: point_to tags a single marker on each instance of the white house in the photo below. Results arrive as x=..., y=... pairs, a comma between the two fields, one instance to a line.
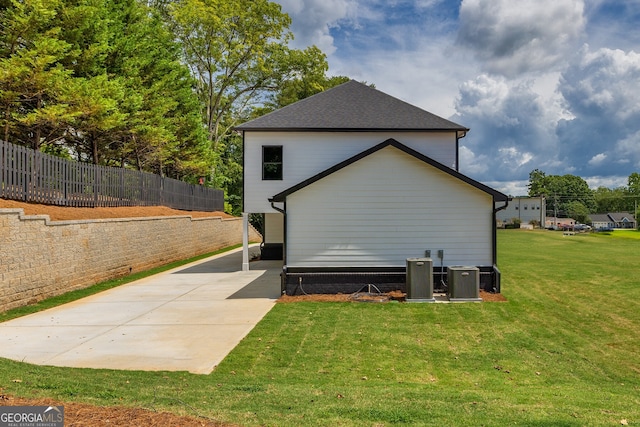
x=352, y=182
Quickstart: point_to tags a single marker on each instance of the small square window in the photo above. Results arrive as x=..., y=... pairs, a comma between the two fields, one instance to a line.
x=272, y=162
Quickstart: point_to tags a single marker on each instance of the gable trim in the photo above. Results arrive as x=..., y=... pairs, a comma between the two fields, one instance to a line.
x=497, y=196
x=460, y=132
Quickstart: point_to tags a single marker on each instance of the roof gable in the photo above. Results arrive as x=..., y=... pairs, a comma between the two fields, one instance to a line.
x=621, y=216
x=613, y=217
x=497, y=196
x=351, y=106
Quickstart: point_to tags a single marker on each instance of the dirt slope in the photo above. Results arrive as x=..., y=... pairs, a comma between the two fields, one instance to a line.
x=60, y=213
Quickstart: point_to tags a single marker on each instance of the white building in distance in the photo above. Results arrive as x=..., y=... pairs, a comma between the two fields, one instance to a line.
x=524, y=209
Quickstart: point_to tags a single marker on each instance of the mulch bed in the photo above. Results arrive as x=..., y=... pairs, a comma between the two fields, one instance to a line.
x=85, y=415
x=392, y=296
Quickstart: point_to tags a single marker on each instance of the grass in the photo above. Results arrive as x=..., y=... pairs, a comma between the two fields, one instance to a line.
x=563, y=351
x=628, y=234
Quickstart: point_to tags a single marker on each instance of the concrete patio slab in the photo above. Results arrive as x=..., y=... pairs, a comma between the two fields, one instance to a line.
x=186, y=319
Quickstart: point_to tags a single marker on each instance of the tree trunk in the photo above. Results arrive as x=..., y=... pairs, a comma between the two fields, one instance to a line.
x=37, y=133
x=94, y=146
x=7, y=115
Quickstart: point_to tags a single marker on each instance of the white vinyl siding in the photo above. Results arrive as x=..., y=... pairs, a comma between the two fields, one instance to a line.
x=307, y=153
x=273, y=228
x=385, y=208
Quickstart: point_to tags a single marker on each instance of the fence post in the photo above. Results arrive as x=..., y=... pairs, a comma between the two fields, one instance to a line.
x=24, y=174
x=96, y=184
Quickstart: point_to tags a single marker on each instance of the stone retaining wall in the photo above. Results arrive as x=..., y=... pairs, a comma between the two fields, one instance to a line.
x=40, y=258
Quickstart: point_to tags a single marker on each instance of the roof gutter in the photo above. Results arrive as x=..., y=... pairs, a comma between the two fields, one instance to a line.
x=282, y=211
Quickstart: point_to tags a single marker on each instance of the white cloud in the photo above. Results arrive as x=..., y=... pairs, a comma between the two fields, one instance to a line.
x=511, y=38
x=598, y=159
x=415, y=76
x=312, y=20
x=510, y=188
x=606, y=81
x=516, y=72
x=513, y=156
x=628, y=150
x=613, y=23
x=404, y=47
x=601, y=90
x=589, y=127
x=511, y=125
x=484, y=97
x=472, y=164
x=612, y=181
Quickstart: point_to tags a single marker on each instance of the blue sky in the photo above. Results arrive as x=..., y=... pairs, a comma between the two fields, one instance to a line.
x=543, y=84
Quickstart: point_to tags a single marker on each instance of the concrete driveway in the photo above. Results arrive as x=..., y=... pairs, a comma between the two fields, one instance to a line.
x=187, y=319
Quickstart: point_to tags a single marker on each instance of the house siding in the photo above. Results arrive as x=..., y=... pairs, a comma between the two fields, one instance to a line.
x=274, y=228
x=368, y=214
x=308, y=153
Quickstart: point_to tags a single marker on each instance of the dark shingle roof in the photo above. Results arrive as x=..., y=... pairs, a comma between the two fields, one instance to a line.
x=351, y=106
x=620, y=216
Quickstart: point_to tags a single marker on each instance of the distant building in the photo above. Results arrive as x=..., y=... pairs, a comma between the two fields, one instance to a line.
x=524, y=209
x=613, y=220
x=551, y=222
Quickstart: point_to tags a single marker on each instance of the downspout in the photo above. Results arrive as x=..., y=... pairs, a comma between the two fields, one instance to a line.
x=495, y=230
x=283, y=275
x=245, y=219
x=496, y=283
x=459, y=136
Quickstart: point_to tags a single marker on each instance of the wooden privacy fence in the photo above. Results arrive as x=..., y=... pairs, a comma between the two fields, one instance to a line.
x=32, y=176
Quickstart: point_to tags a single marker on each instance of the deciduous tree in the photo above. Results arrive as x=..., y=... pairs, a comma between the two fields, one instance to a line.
x=238, y=51
x=560, y=191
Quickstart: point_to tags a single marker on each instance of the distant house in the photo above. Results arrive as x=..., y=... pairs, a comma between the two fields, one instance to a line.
x=613, y=220
x=600, y=221
x=351, y=182
x=524, y=209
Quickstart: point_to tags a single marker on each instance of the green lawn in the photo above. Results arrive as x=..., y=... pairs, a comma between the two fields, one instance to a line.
x=563, y=351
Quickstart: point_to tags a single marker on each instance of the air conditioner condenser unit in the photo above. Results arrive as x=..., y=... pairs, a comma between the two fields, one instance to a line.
x=463, y=284
x=419, y=280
